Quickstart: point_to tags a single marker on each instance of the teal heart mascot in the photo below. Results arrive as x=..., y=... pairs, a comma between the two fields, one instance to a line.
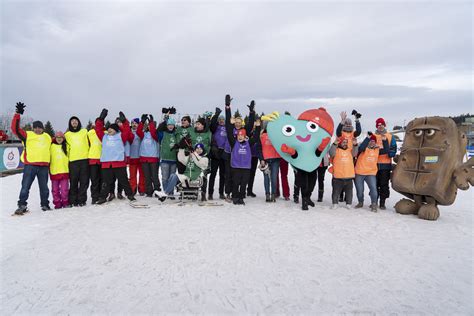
x=302, y=142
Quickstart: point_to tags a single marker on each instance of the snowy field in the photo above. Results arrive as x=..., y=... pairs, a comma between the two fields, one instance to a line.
x=261, y=258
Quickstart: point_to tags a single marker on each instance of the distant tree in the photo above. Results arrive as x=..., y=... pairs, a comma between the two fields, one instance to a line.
x=237, y=113
x=89, y=125
x=397, y=128
x=48, y=128
x=28, y=127
x=460, y=118
x=107, y=124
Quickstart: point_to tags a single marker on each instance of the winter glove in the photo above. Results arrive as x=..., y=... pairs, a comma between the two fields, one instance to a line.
x=122, y=117
x=20, y=107
x=103, y=114
x=228, y=99
x=151, y=118
x=218, y=111
x=356, y=114
x=288, y=150
x=251, y=106
x=370, y=133
x=144, y=118
x=185, y=142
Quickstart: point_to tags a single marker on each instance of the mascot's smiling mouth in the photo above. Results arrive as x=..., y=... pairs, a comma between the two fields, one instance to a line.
x=303, y=139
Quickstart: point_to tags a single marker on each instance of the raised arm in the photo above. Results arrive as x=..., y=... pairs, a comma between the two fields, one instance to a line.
x=15, y=127
x=214, y=119
x=364, y=144
x=358, y=130
x=251, y=120
x=140, y=132
x=229, y=127
x=152, y=128
x=255, y=136
x=99, y=124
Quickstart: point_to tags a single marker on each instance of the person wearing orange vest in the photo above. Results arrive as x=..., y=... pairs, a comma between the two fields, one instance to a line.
x=59, y=171
x=346, y=130
x=35, y=157
x=366, y=170
x=78, y=154
x=342, y=170
x=384, y=163
x=269, y=158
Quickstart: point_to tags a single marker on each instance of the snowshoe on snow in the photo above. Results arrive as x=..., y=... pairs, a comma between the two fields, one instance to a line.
x=21, y=210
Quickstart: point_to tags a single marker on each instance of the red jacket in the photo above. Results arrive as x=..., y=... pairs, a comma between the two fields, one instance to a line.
x=154, y=135
x=21, y=134
x=124, y=130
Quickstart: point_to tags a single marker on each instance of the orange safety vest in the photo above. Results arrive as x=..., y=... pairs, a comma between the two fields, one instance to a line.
x=347, y=135
x=367, y=162
x=343, y=164
x=384, y=159
x=268, y=150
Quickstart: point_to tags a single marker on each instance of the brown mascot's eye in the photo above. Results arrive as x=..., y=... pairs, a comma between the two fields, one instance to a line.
x=418, y=133
x=430, y=132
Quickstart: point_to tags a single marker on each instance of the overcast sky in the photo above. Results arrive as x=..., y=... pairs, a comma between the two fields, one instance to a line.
x=394, y=60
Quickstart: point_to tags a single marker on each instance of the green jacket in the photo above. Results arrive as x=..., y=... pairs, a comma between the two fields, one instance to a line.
x=204, y=137
x=167, y=153
x=194, y=165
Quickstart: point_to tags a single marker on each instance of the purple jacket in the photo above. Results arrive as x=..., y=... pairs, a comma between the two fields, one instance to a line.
x=241, y=156
x=220, y=137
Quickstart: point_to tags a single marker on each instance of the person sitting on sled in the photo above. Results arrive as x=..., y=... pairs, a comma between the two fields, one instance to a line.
x=195, y=161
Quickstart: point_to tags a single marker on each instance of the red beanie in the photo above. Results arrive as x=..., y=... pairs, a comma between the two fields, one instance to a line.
x=372, y=137
x=320, y=117
x=242, y=131
x=380, y=121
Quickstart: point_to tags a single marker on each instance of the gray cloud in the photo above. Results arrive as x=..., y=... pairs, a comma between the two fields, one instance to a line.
x=395, y=60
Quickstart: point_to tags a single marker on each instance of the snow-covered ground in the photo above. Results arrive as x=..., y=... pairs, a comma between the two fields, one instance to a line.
x=261, y=258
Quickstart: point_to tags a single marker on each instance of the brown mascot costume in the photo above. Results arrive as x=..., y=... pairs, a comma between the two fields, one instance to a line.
x=430, y=166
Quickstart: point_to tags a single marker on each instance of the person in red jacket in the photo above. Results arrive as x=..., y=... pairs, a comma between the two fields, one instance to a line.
x=36, y=158
x=112, y=158
x=3, y=136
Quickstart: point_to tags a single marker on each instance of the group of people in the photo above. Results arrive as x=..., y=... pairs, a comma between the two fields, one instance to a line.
x=232, y=147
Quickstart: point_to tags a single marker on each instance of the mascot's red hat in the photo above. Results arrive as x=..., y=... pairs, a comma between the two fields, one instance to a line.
x=320, y=117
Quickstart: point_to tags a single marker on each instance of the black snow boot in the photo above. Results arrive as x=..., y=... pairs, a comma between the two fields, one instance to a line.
x=320, y=195
x=304, y=205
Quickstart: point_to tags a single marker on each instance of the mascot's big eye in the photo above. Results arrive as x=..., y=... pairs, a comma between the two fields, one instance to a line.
x=312, y=127
x=430, y=132
x=288, y=130
x=418, y=132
